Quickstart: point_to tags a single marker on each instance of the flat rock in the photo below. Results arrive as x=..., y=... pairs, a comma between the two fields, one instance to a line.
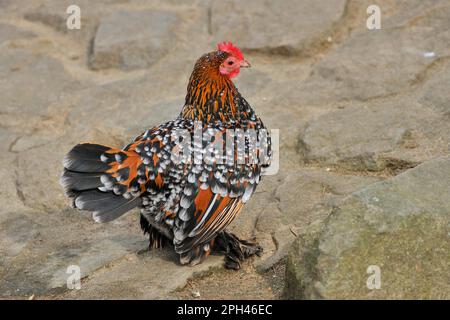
x=434, y=91
x=283, y=27
x=21, y=70
x=287, y=203
x=9, y=32
x=374, y=137
x=398, y=226
x=377, y=63
x=130, y=40
x=38, y=270
x=152, y=275
x=53, y=14
x=11, y=197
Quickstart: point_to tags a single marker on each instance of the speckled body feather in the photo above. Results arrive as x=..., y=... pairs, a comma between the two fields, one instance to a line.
x=187, y=203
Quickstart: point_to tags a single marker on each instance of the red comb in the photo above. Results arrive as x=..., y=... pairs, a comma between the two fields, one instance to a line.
x=230, y=48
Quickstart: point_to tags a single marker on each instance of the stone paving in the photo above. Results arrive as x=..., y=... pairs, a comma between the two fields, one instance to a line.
x=354, y=107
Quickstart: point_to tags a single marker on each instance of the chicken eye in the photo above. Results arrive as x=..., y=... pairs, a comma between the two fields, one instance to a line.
x=230, y=63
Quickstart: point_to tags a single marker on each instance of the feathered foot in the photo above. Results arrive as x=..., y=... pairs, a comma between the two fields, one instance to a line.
x=235, y=250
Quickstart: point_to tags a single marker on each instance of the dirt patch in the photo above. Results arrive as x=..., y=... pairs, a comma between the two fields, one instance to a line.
x=246, y=283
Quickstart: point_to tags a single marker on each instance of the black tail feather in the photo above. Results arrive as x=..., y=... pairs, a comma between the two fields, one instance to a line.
x=81, y=180
x=86, y=158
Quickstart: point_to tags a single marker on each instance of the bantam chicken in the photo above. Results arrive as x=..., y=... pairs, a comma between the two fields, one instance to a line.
x=185, y=203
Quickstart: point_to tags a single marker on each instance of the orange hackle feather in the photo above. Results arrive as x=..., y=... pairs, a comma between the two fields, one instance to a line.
x=210, y=94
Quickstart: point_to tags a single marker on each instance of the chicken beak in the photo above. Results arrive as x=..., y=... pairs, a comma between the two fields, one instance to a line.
x=245, y=64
